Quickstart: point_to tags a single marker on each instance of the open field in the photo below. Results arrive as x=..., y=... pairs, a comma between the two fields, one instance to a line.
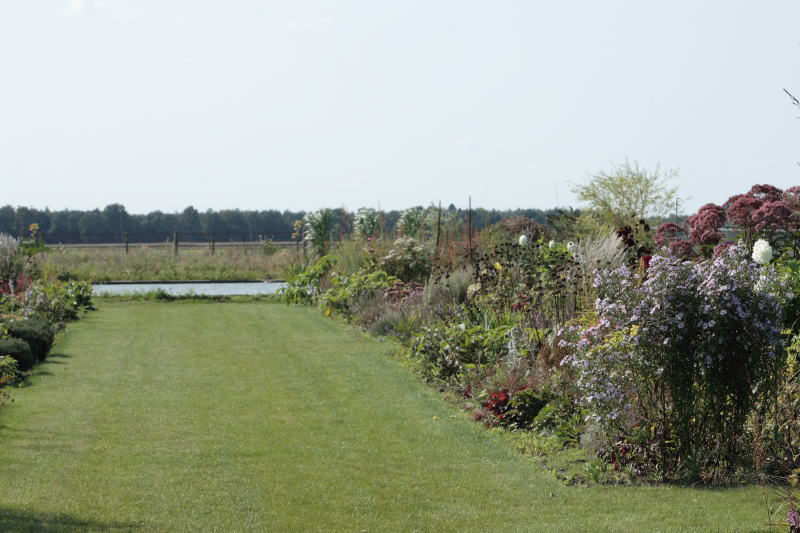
x=110, y=263
x=226, y=417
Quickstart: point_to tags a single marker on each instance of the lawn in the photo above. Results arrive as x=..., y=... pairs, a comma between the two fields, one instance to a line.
x=227, y=417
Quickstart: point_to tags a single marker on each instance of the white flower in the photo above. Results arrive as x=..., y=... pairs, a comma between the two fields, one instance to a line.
x=523, y=240
x=762, y=284
x=571, y=247
x=551, y=244
x=762, y=252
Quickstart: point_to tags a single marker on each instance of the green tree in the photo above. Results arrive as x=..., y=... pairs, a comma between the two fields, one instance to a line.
x=627, y=192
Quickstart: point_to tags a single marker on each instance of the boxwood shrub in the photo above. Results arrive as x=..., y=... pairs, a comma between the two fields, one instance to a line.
x=19, y=350
x=37, y=333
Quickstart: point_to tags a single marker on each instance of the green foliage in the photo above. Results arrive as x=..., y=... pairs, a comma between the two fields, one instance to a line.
x=9, y=369
x=305, y=287
x=19, y=350
x=36, y=332
x=789, y=270
x=347, y=291
x=445, y=352
x=562, y=419
x=367, y=223
x=524, y=406
x=408, y=260
x=411, y=222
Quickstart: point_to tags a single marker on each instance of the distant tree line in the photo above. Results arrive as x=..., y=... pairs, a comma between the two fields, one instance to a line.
x=111, y=223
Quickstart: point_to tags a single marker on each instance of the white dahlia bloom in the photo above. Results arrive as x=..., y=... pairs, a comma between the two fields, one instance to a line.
x=523, y=240
x=762, y=252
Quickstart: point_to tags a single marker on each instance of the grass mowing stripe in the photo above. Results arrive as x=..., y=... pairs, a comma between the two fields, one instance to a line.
x=248, y=416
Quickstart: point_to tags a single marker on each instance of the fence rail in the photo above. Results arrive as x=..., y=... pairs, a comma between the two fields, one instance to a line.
x=174, y=240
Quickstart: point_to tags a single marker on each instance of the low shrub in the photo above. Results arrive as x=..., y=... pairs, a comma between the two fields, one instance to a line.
x=19, y=350
x=37, y=333
x=524, y=406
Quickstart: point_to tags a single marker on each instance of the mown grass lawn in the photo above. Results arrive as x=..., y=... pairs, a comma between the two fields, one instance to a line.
x=246, y=416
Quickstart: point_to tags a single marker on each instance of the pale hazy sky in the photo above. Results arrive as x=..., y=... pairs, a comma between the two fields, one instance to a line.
x=297, y=104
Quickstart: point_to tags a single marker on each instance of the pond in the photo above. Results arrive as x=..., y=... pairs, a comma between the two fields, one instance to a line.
x=182, y=288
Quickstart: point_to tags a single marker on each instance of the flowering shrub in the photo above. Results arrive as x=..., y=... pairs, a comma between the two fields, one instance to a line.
x=686, y=352
x=408, y=260
x=57, y=301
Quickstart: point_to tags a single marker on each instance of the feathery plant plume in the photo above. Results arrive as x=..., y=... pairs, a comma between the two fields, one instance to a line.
x=11, y=262
x=600, y=251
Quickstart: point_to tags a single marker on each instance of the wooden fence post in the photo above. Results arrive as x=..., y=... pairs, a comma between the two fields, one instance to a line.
x=438, y=229
x=175, y=242
x=469, y=229
x=212, y=244
x=126, y=243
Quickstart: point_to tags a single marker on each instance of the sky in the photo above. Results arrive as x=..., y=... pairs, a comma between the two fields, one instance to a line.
x=259, y=104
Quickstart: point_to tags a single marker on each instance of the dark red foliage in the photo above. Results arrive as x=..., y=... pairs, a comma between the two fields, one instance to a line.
x=497, y=404
x=522, y=301
x=24, y=281
x=625, y=234
x=645, y=261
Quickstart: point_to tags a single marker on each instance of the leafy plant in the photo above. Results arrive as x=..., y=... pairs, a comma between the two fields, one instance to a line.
x=306, y=286
x=346, y=291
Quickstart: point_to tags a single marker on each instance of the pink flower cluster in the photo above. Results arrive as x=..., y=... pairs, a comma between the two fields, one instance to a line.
x=764, y=209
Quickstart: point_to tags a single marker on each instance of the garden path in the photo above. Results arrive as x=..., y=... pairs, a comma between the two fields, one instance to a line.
x=227, y=417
